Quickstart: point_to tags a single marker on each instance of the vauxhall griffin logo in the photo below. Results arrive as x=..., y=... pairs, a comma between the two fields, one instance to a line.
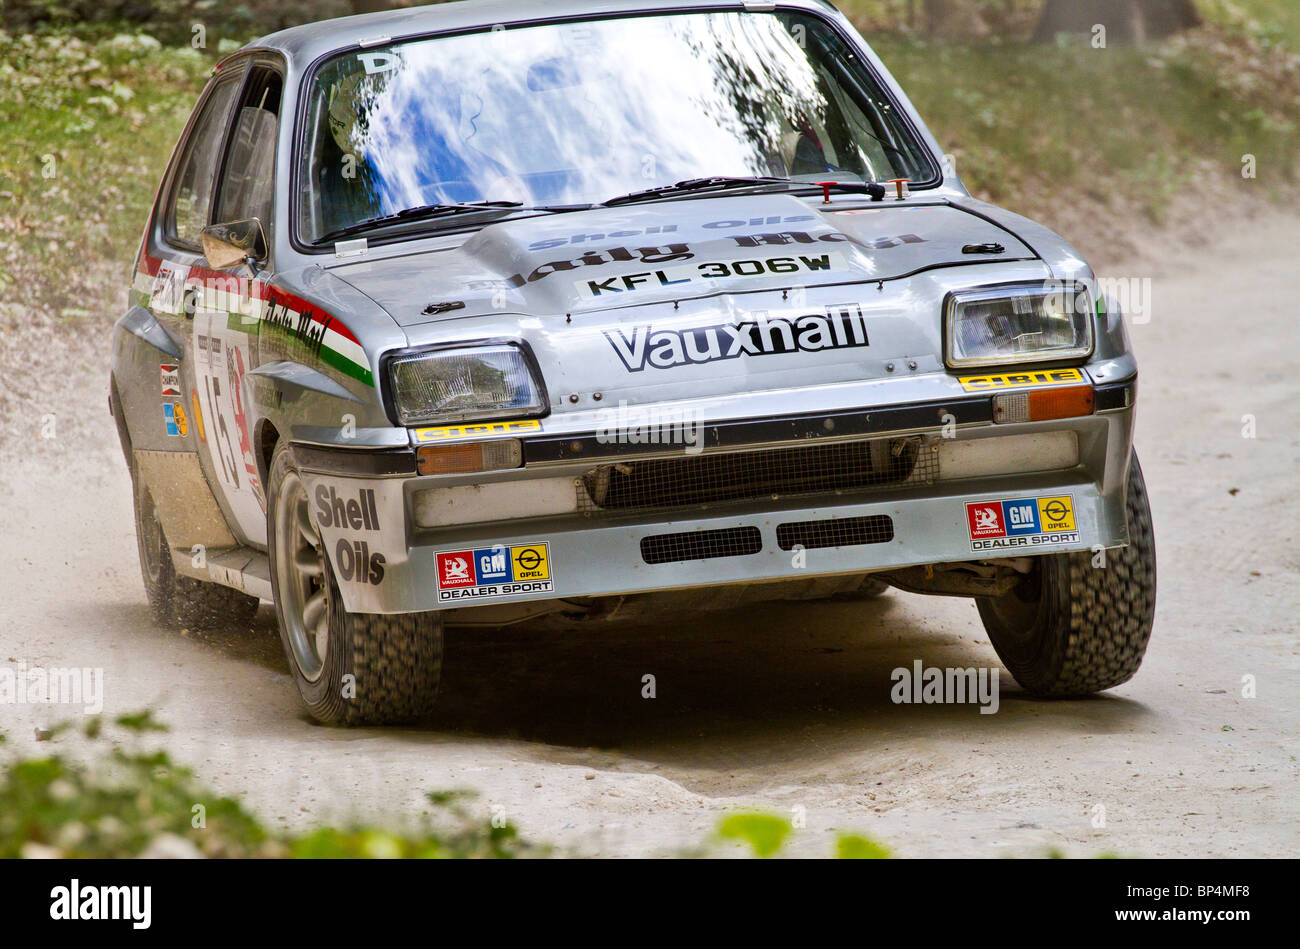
x=457, y=568
x=840, y=327
x=986, y=519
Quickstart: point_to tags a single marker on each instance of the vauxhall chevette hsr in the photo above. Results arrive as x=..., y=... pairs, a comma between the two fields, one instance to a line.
x=478, y=313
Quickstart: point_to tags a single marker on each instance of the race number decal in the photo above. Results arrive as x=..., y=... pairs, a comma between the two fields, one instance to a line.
x=221, y=360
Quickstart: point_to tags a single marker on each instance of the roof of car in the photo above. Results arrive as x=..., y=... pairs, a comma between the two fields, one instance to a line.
x=312, y=40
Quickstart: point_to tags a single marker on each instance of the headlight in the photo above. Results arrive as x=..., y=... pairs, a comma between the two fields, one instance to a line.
x=465, y=384
x=1011, y=325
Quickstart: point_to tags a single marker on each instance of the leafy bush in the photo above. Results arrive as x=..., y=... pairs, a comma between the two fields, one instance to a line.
x=130, y=801
x=766, y=835
x=170, y=21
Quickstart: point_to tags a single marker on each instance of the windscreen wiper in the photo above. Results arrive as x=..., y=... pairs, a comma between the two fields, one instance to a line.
x=693, y=185
x=427, y=212
x=723, y=183
x=872, y=189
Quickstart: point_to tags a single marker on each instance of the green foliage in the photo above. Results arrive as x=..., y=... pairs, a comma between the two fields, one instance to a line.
x=128, y=801
x=139, y=722
x=170, y=21
x=1268, y=21
x=764, y=833
x=1116, y=128
x=1004, y=19
x=116, y=807
x=855, y=847
x=88, y=128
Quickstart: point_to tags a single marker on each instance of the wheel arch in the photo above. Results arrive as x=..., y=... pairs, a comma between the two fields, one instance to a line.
x=266, y=438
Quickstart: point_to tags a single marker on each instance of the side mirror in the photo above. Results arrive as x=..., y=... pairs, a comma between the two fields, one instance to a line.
x=226, y=245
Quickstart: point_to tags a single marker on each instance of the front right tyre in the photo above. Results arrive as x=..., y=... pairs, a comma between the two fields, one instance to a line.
x=350, y=668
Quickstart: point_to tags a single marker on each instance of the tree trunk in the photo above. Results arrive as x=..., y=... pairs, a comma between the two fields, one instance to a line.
x=1126, y=21
x=374, y=6
x=955, y=20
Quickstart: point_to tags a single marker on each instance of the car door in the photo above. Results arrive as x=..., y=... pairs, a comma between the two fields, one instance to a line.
x=174, y=259
x=225, y=323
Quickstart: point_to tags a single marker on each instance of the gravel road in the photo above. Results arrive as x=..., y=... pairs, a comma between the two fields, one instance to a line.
x=785, y=707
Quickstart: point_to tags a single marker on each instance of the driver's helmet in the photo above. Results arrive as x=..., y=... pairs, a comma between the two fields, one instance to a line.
x=351, y=101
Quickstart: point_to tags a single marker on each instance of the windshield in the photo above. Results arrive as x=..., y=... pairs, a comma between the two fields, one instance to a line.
x=578, y=113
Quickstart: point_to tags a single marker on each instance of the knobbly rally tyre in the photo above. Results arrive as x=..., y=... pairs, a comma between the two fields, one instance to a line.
x=177, y=600
x=350, y=668
x=1071, y=628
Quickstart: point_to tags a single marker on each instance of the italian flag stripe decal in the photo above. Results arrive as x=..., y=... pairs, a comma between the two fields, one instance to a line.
x=254, y=307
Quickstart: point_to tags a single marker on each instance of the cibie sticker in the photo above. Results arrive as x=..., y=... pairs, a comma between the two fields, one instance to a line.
x=174, y=419
x=494, y=571
x=1021, y=380
x=171, y=379
x=447, y=433
x=1022, y=523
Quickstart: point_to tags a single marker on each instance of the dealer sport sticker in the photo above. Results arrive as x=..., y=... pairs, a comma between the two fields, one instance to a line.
x=494, y=571
x=1022, y=524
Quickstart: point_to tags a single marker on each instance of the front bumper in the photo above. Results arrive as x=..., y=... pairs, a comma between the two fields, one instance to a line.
x=386, y=562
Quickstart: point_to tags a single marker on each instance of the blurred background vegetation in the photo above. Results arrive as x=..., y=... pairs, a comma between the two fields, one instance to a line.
x=1038, y=120
x=1100, y=143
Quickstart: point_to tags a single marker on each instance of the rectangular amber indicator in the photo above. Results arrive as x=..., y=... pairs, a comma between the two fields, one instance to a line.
x=469, y=457
x=1064, y=402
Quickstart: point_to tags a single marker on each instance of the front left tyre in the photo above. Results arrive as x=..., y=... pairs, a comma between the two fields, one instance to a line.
x=350, y=668
x=1076, y=625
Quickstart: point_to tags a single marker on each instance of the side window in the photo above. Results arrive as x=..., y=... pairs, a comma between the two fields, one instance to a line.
x=247, y=186
x=191, y=194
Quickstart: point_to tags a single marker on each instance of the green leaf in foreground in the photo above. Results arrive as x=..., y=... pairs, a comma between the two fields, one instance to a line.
x=856, y=847
x=127, y=801
x=764, y=833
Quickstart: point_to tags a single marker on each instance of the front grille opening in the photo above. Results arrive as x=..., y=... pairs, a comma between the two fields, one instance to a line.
x=701, y=545
x=756, y=475
x=836, y=532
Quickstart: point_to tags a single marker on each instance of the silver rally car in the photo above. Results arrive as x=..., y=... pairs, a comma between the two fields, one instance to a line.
x=480, y=312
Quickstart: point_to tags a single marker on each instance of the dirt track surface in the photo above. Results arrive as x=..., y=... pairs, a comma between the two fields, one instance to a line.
x=786, y=708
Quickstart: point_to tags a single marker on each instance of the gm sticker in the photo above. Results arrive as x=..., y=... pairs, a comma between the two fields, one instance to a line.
x=1021, y=380
x=447, y=433
x=494, y=571
x=1021, y=524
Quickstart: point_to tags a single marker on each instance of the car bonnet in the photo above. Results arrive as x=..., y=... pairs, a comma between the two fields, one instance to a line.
x=561, y=265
